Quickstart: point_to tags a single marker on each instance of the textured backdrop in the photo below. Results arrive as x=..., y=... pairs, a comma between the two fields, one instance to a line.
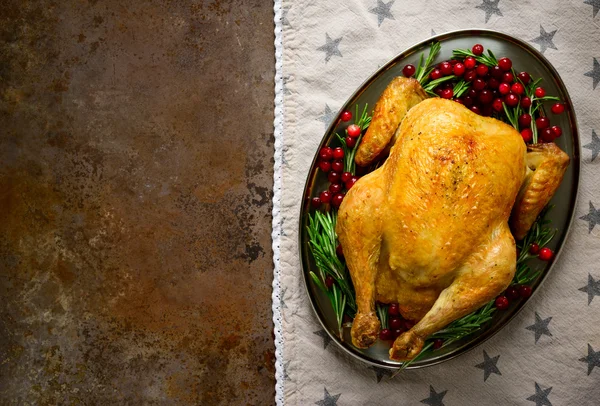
x=549, y=353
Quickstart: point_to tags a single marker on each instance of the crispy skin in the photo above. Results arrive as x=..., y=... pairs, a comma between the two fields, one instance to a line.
x=398, y=97
x=547, y=164
x=429, y=228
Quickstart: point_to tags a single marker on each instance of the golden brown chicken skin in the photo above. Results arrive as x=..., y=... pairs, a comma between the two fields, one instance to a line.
x=429, y=228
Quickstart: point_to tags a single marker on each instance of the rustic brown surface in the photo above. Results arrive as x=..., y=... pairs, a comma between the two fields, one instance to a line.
x=135, y=186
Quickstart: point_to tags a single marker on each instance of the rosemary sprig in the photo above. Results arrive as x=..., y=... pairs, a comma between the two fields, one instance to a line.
x=337, y=299
x=460, y=88
x=349, y=153
x=489, y=60
x=382, y=312
x=424, y=69
x=434, y=83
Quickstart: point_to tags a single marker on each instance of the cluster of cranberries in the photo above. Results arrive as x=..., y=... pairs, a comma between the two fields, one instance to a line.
x=490, y=88
x=331, y=162
x=397, y=325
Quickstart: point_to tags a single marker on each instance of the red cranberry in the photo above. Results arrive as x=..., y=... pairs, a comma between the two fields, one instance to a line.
x=525, y=102
x=542, y=122
x=527, y=134
x=525, y=291
x=446, y=68
x=545, y=254
x=396, y=323
x=346, y=176
x=346, y=115
x=504, y=88
x=353, y=130
x=459, y=101
x=505, y=64
x=325, y=196
x=477, y=49
x=337, y=200
x=335, y=188
x=501, y=303
x=329, y=281
x=475, y=109
x=556, y=130
x=326, y=154
x=534, y=249
x=473, y=93
x=524, y=77
x=540, y=92
x=334, y=177
x=482, y=70
x=459, y=69
x=447, y=93
x=487, y=110
x=512, y=292
x=385, y=334
x=517, y=88
x=508, y=77
x=338, y=153
x=558, y=108
x=468, y=101
x=493, y=83
x=315, y=202
x=394, y=309
x=397, y=333
x=435, y=74
x=479, y=84
x=547, y=135
x=325, y=166
x=470, y=75
x=496, y=72
x=470, y=62
x=408, y=324
x=408, y=70
x=497, y=105
x=525, y=120
x=351, y=182
x=511, y=99
x=485, y=96
x=338, y=166
x=350, y=142
x=339, y=251
x=438, y=343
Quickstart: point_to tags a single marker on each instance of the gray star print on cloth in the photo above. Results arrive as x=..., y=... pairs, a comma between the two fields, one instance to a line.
x=595, y=4
x=382, y=11
x=323, y=334
x=285, y=370
x=541, y=396
x=593, y=217
x=594, y=146
x=286, y=79
x=489, y=366
x=327, y=116
x=540, y=327
x=282, y=295
x=381, y=372
x=592, y=288
x=545, y=40
x=434, y=399
x=594, y=73
x=592, y=359
x=328, y=400
x=284, y=13
x=331, y=47
x=490, y=7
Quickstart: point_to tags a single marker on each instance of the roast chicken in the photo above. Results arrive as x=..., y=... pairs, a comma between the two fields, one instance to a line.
x=433, y=228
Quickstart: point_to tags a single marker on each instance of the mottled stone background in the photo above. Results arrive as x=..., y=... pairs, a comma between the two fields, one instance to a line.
x=135, y=215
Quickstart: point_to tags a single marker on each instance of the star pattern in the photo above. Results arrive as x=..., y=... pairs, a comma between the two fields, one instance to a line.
x=286, y=90
x=284, y=20
x=433, y=34
x=592, y=359
x=328, y=400
x=489, y=366
x=282, y=297
x=540, y=327
x=594, y=74
x=327, y=116
x=382, y=11
x=285, y=370
x=541, y=396
x=490, y=7
x=592, y=288
x=331, y=47
x=381, y=372
x=545, y=40
x=594, y=146
x=595, y=4
x=434, y=399
x=326, y=339
x=593, y=217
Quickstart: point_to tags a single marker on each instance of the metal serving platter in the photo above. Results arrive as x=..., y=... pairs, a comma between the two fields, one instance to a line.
x=524, y=57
